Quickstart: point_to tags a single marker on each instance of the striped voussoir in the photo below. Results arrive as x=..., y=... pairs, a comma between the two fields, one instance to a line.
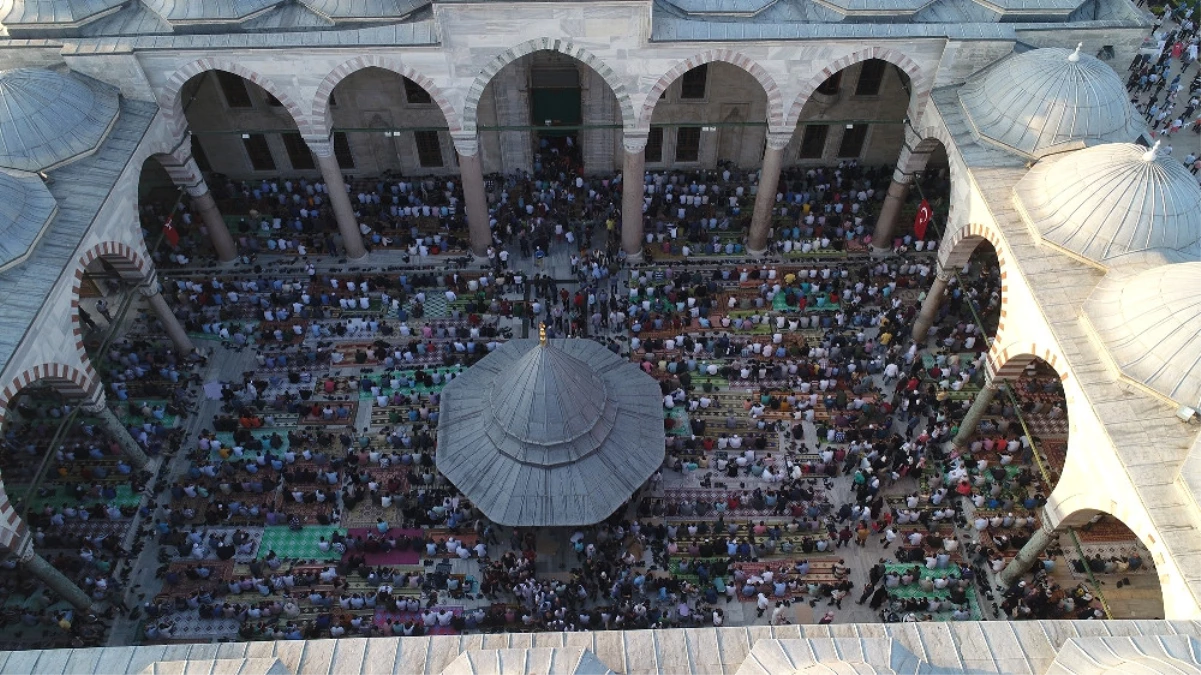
x=321, y=117
x=562, y=46
x=172, y=99
x=775, y=99
x=914, y=71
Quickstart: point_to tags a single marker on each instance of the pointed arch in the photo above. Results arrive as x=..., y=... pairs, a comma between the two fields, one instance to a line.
x=172, y=100
x=129, y=262
x=320, y=110
x=563, y=46
x=917, y=79
x=775, y=99
x=67, y=380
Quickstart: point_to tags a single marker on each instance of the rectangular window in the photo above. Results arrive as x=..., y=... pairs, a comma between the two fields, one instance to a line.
x=813, y=143
x=692, y=84
x=852, y=141
x=871, y=76
x=429, y=148
x=654, y=145
x=198, y=154
x=298, y=152
x=415, y=94
x=259, y=152
x=688, y=144
x=342, y=150
x=234, y=88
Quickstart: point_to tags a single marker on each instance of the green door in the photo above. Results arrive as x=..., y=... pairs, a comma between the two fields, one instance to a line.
x=560, y=106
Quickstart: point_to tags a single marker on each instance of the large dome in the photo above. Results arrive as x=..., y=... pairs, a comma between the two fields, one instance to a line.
x=1114, y=202
x=48, y=118
x=1046, y=100
x=1150, y=324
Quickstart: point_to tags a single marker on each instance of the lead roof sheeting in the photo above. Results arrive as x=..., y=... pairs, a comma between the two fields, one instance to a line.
x=208, y=10
x=364, y=9
x=1150, y=323
x=57, y=11
x=48, y=118
x=1038, y=100
x=1108, y=203
x=26, y=207
x=557, y=472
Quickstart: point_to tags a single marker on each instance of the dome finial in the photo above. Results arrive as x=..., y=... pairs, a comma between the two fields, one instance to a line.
x=542, y=333
x=1150, y=155
x=1076, y=54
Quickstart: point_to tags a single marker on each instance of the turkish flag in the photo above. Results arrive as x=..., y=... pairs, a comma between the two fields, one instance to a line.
x=922, y=219
x=170, y=233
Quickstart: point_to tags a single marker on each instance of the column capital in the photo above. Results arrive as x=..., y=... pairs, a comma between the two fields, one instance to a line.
x=467, y=143
x=942, y=275
x=634, y=140
x=23, y=551
x=778, y=140
x=322, y=146
x=899, y=176
x=150, y=286
x=95, y=406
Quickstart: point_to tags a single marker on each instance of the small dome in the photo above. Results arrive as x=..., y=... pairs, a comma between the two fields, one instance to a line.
x=1038, y=102
x=26, y=208
x=548, y=398
x=1114, y=201
x=1150, y=323
x=201, y=11
x=48, y=118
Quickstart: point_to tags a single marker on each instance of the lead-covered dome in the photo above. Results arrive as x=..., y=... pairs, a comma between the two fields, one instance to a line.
x=555, y=433
x=1111, y=203
x=26, y=209
x=1048, y=100
x=48, y=118
x=1150, y=324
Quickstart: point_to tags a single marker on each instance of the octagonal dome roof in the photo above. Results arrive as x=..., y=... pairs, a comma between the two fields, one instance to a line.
x=1150, y=324
x=364, y=9
x=48, y=118
x=58, y=12
x=1114, y=202
x=26, y=209
x=1048, y=100
x=209, y=11
x=553, y=434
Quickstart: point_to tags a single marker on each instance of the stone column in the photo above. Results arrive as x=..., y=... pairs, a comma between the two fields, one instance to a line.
x=475, y=198
x=929, y=311
x=152, y=291
x=633, y=177
x=972, y=419
x=765, y=200
x=108, y=419
x=55, y=580
x=331, y=173
x=1025, y=559
x=886, y=224
x=187, y=175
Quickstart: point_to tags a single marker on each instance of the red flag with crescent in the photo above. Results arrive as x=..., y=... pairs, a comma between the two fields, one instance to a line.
x=170, y=233
x=922, y=219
